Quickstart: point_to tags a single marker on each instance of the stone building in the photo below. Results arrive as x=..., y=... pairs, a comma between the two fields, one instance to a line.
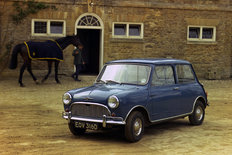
x=196, y=30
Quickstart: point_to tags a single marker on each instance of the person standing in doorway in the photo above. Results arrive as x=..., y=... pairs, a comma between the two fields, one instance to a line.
x=78, y=61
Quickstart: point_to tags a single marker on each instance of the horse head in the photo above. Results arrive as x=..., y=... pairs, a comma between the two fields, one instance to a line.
x=76, y=40
x=65, y=41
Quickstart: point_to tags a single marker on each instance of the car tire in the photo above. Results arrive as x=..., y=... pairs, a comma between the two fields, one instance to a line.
x=75, y=131
x=134, y=127
x=198, y=115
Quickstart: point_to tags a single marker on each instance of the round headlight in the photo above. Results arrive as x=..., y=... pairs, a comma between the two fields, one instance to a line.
x=113, y=102
x=67, y=98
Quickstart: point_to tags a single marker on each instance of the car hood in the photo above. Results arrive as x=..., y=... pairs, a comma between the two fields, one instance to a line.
x=99, y=93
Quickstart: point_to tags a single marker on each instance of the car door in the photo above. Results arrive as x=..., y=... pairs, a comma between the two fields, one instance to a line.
x=164, y=94
x=186, y=82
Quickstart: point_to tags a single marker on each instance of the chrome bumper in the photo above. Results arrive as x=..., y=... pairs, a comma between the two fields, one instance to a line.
x=104, y=120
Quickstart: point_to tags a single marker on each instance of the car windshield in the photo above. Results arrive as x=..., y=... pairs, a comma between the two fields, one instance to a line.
x=125, y=74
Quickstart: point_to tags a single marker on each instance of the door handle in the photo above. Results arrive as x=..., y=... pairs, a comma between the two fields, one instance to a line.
x=176, y=88
x=153, y=95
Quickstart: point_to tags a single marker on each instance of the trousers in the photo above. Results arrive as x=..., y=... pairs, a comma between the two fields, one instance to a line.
x=77, y=72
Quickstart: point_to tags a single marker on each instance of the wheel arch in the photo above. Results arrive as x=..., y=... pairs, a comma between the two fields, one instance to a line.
x=143, y=111
x=202, y=99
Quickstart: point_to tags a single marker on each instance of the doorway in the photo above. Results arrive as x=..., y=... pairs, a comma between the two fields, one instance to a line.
x=90, y=38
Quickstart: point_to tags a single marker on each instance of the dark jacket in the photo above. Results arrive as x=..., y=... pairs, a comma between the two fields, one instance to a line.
x=78, y=59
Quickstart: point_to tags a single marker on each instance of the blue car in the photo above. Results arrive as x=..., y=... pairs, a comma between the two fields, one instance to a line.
x=135, y=93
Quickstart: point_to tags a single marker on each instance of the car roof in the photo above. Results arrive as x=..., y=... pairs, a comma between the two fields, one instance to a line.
x=151, y=61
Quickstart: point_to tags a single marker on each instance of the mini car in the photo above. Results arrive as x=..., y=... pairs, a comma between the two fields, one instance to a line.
x=135, y=93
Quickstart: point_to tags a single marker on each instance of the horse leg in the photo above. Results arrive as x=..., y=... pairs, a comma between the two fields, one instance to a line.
x=21, y=74
x=30, y=71
x=27, y=62
x=56, y=71
x=49, y=71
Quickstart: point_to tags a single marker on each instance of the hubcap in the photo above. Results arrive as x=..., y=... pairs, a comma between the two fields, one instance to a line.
x=199, y=113
x=138, y=127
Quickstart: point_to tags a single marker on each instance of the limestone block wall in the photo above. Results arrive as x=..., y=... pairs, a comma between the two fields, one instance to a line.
x=165, y=35
x=165, y=30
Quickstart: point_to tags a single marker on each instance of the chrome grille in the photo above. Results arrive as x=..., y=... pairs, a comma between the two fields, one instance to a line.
x=89, y=110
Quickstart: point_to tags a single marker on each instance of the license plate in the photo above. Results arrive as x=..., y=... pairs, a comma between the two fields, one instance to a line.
x=86, y=125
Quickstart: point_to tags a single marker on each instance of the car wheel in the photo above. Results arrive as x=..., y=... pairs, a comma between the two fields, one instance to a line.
x=134, y=127
x=197, y=117
x=75, y=131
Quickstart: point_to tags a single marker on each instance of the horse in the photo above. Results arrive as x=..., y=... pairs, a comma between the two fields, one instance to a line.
x=23, y=49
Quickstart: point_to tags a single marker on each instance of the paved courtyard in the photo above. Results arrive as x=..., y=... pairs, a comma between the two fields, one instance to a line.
x=31, y=123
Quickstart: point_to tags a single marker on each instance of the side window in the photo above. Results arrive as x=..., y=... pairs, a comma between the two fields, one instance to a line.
x=137, y=74
x=163, y=75
x=184, y=74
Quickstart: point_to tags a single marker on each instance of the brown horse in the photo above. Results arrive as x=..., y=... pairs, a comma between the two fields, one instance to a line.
x=23, y=49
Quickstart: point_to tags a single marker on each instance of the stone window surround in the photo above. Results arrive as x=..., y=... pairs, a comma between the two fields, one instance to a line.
x=127, y=36
x=48, y=21
x=200, y=39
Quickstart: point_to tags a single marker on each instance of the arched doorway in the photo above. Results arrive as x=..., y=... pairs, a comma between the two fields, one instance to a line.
x=89, y=27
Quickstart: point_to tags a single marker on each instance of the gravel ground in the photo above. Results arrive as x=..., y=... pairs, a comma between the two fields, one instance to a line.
x=31, y=123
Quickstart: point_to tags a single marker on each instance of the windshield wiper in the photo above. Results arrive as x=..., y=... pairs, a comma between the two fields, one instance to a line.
x=101, y=81
x=111, y=81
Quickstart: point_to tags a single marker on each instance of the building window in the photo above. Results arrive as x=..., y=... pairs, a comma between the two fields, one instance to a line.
x=201, y=33
x=89, y=21
x=40, y=27
x=48, y=28
x=120, y=30
x=56, y=27
x=134, y=30
x=127, y=30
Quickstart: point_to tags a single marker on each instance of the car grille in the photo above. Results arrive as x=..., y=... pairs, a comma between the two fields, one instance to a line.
x=89, y=110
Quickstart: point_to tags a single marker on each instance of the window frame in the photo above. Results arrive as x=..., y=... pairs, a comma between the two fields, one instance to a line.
x=48, y=31
x=127, y=30
x=201, y=33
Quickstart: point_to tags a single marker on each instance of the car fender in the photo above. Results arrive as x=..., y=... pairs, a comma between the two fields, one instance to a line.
x=140, y=108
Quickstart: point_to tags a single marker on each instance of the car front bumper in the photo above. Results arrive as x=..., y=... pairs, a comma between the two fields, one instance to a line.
x=104, y=120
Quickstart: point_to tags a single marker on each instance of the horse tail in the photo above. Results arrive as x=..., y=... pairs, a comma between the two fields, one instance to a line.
x=14, y=56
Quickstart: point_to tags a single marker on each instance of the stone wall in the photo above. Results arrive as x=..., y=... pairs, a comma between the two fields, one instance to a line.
x=165, y=30
x=165, y=35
